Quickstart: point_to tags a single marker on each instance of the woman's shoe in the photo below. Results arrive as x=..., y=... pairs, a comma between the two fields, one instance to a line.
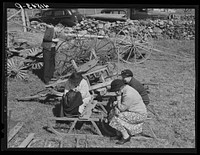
x=122, y=141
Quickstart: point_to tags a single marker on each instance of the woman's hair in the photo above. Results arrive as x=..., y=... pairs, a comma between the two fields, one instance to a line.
x=75, y=78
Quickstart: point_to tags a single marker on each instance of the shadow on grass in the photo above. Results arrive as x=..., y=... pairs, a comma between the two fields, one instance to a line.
x=56, y=110
x=39, y=73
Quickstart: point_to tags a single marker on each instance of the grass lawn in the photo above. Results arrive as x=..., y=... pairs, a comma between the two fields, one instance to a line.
x=173, y=99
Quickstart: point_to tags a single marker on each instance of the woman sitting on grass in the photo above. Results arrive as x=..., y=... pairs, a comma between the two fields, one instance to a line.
x=128, y=113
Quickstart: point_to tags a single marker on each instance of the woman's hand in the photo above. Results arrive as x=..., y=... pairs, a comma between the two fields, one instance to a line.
x=117, y=111
x=114, y=103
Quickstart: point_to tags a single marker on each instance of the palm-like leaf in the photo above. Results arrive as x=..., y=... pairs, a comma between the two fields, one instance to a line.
x=16, y=68
x=37, y=65
x=30, y=52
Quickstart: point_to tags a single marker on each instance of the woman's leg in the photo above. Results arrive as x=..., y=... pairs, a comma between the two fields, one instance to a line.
x=128, y=121
x=116, y=124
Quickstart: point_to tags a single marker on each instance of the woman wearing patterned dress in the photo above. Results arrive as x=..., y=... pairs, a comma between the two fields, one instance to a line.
x=129, y=112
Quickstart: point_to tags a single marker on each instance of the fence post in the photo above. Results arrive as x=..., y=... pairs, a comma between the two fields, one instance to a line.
x=23, y=20
x=27, y=19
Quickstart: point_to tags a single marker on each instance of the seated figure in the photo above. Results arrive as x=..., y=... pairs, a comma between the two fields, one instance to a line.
x=76, y=94
x=128, y=113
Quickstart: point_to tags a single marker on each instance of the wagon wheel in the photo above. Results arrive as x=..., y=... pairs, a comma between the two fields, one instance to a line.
x=71, y=48
x=104, y=49
x=133, y=47
x=78, y=48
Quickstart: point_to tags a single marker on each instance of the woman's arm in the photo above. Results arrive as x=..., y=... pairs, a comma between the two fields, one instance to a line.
x=124, y=103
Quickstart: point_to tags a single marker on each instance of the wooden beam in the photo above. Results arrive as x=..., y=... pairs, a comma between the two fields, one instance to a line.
x=27, y=18
x=96, y=69
x=27, y=140
x=84, y=36
x=82, y=135
x=72, y=119
x=23, y=19
x=100, y=85
x=15, y=130
x=55, y=83
x=9, y=118
x=13, y=15
x=74, y=65
x=53, y=130
x=27, y=26
x=96, y=127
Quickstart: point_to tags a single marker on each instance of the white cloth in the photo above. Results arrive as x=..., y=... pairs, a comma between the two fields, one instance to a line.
x=83, y=88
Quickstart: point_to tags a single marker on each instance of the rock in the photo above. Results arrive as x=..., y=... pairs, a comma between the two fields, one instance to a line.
x=83, y=32
x=157, y=30
x=100, y=26
x=101, y=32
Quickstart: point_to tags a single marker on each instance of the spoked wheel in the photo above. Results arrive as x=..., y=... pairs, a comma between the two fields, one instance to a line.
x=79, y=48
x=104, y=49
x=71, y=48
x=132, y=47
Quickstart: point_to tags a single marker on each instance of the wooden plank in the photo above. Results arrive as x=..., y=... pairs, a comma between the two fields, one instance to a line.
x=74, y=65
x=85, y=36
x=63, y=118
x=103, y=108
x=100, y=85
x=32, y=97
x=110, y=94
x=9, y=118
x=82, y=135
x=55, y=83
x=15, y=130
x=72, y=119
x=96, y=127
x=27, y=140
x=13, y=15
x=72, y=126
x=93, y=54
x=96, y=69
x=53, y=130
x=23, y=19
x=87, y=66
x=27, y=18
x=88, y=110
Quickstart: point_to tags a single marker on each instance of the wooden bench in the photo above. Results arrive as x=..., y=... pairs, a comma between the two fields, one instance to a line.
x=86, y=116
